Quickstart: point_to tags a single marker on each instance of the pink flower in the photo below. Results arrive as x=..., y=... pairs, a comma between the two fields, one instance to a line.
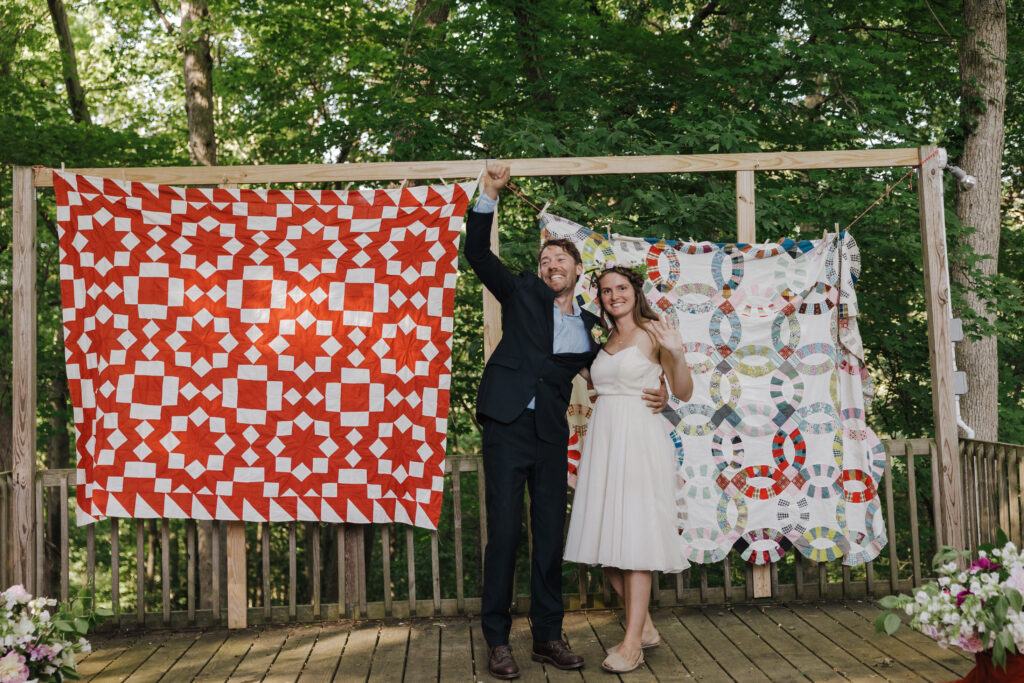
x=983, y=563
x=13, y=668
x=970, y=643
x=961, y=596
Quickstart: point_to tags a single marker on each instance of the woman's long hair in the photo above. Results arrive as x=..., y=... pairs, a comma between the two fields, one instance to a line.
x=641, y=309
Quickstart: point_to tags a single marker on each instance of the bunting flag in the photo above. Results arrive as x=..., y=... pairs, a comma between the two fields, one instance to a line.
x=259, y=355
x=773, y=449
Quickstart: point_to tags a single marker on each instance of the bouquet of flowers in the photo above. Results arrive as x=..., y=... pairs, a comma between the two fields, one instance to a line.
x=976, y=609
x=37, y=646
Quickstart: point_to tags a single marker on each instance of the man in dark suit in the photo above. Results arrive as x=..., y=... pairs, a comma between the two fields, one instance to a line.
x=521, y=405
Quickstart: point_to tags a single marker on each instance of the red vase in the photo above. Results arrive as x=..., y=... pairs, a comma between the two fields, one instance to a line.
x=985, y=671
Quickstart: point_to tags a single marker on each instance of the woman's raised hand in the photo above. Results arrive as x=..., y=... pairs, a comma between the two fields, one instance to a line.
x=667, y=335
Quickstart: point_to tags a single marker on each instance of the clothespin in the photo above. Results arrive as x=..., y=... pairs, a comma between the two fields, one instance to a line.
x=544, y=210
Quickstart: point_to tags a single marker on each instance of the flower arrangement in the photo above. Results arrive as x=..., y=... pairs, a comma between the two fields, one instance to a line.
x=37, y=646
x=976, y=609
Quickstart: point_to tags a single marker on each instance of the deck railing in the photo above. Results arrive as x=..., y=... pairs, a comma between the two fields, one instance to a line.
x=360, y=571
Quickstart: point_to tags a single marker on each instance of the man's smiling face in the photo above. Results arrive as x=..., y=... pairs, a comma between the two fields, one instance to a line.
x=559, y=270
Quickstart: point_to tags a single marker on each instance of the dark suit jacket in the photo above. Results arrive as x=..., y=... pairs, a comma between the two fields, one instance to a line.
x=523, y=365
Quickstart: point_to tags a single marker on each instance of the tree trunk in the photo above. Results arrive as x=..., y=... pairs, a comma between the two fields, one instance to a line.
x=198, y=65
x=76, y=96
x=983, y=96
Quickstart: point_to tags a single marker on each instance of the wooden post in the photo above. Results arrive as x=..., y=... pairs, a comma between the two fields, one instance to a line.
x=746, y=233
x=492, y=309
x=23, y=357
x=237, y=604
x=940, y=348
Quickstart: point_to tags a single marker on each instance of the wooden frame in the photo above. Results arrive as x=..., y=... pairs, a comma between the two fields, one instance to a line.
x=743, y=165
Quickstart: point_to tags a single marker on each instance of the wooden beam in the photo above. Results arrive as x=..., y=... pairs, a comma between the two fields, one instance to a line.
x=746, y=233
x=23, y=357
x=492, y=309
x=470, y=168
x=237, y=604
x=940, y=348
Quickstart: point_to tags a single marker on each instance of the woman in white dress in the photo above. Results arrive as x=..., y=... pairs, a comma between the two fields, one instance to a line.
x=623, y=514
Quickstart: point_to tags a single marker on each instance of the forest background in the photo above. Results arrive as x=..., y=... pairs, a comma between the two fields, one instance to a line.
x=131, y=83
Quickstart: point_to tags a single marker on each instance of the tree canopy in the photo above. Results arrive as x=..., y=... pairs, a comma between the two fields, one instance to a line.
x=344, y=81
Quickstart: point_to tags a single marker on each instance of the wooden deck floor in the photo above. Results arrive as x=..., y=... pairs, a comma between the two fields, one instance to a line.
x=816, y=642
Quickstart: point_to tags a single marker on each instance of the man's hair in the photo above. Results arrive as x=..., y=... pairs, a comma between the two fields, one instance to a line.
x=565, y=244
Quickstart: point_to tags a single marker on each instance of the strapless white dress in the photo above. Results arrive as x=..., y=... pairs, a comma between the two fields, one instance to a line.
x=624, y=510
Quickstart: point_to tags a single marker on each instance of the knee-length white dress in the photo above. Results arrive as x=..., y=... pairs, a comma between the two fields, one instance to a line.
x=624, y=510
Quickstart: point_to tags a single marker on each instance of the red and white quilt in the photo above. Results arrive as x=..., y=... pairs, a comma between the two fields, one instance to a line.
x=259, y=354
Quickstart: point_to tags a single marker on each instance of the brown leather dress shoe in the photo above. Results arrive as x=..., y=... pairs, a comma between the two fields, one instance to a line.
x=501, y=663
x=556, y=653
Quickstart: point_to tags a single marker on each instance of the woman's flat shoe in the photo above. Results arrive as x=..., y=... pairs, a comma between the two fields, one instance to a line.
x=617, y=664
x=654, y=641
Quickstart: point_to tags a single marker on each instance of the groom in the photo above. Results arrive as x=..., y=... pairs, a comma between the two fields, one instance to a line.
x=521, y=405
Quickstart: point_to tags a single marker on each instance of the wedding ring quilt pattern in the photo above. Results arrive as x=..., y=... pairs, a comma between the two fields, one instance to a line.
x=773, y=450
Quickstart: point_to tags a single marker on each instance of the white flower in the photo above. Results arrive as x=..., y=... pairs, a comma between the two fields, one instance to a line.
x=909, y=609
x=24, y=627
x=17, y=594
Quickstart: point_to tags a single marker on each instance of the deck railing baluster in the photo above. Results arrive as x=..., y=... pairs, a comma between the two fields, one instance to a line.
x=165, y=569
x=140, y=572
x=65, y=550
x=915, y=539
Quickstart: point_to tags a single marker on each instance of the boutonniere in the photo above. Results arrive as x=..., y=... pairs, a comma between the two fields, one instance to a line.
x=599, y=334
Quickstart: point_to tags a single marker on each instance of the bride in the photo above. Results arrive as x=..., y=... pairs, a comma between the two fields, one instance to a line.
x=623, y=514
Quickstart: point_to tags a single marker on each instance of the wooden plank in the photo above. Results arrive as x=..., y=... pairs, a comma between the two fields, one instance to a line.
x=435, y=572
x=237, y=602
x=771, y=664
x=40, y=547
x=292, y=656
x=420, y=170
x=261, y=655
x=224, y=661
x=132, y=658
x=1002, y=500
x=424, y=653
x=410, y=560
x=915, y=538
x=798, y=568
x=389, y=656
x=460, y=594
x=937, y=303
x=358, y=653
x=745, y=207
x=165, y=570
x=481, y=493
x=1015, y=474
x=64, y=549
x=583, y=641
x=731, y=658
x=840, y=637
x=101, y=658
x=171, y=648
x=215, y=567
x=90, y=557
x=314, y=555
x=693, y=658
x=140, y=572
x=23, y=377
x=933, y=465
x=890, y=523
x=460, y=639
x=829, y=652
x=292, y=571
x=115, y=576
x=385, y=543
x=190, y=551
x=521, y=639
x=265, y=562
x=954, y=659
x=787, y=645
x=197, y=656
x=900, y=652
x=324, y=655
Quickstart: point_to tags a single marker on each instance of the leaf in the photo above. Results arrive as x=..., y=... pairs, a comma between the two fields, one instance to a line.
x=892, y=623
x=104, y=612
x=1015, y=598
x=889, y=602
x=1001, y=538
x=81, y=625
x=880, y=622
x=64, y=626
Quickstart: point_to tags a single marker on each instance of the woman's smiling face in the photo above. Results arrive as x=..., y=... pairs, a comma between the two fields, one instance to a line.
x=617, y=295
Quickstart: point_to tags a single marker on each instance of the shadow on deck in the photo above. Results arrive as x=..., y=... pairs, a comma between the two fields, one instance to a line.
x=793, y=642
